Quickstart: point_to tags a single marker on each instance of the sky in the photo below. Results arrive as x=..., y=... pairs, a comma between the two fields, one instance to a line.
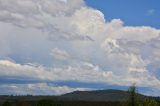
x=131, y=12
x=52, y=47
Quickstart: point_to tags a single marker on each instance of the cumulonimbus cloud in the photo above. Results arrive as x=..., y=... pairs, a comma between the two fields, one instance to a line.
x=51, y=16
x=104, y=51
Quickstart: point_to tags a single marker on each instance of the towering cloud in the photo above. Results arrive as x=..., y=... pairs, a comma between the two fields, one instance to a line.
x=44, y=41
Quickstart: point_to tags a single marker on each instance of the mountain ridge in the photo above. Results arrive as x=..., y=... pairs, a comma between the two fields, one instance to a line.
x=106, y=95
x=99, y=95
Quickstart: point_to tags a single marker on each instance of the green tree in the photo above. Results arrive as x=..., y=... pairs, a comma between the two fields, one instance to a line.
x=148, y=102
x=6, y=103
x=46, y=103
x=23, y=103
x=133, y=98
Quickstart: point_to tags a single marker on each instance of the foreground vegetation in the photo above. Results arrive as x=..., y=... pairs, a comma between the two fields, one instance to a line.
x=133, y=99
x=147, y=102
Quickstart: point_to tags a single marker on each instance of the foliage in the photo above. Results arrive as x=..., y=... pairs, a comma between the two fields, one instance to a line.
x=46, y=103
x=133, y=98
x=23, y=103
x=149, y=102
x=6, y=103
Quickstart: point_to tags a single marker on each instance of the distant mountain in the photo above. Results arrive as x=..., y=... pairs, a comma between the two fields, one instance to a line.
x=99, y=95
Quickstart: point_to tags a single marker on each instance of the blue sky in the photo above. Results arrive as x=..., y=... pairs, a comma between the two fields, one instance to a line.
x=132, y=12
x=79, y=45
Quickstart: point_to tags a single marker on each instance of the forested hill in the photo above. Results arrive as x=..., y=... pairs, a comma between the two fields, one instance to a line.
x=98, y=95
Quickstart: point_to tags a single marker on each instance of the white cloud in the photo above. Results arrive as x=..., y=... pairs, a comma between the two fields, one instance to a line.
x=88, y=21
x=43, y=15
x=84, y=72
x=128, y=53
x=103, y=51
x=59, y=54
x=37, y=89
